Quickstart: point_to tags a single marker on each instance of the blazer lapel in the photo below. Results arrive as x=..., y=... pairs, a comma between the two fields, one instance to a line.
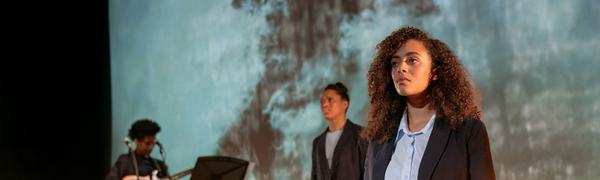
x=435, y=148
x=324, y=166
x=383, y=155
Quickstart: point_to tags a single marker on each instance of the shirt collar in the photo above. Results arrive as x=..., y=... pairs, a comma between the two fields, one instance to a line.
x=403, y=128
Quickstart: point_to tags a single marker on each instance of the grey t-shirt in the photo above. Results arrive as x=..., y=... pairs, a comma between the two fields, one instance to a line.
x=331, y=140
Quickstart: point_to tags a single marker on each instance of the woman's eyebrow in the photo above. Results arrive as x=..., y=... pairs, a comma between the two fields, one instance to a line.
x=412, y=53
x=407, y=54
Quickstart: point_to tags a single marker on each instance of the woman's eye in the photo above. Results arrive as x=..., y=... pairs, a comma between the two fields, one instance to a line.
x=394, y=64
x=411, y=61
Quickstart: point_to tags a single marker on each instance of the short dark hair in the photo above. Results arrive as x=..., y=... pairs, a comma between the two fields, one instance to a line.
x=340, y=89
x=142, y=128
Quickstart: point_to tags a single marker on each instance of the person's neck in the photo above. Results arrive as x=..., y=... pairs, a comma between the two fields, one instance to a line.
x=418, y=113
x=337, y=123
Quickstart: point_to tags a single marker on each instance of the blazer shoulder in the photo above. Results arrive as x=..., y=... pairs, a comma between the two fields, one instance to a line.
x=354, y=126
x=471, y=125
x=320, y=137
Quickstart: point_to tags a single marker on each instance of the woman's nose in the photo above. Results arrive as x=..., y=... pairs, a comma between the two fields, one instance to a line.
x=403, y=67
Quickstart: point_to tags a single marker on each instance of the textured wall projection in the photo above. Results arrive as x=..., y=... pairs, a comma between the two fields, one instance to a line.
x=243, y=78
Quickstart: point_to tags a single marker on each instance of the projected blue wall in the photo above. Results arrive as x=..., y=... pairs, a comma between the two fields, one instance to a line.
x=243, y=78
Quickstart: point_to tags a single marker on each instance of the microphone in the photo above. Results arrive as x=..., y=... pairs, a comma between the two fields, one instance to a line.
x=127, y=142
x=162, y=150
x=163, y=156
x=159, y=145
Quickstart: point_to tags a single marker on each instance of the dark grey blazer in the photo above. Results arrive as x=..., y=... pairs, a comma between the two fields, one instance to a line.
x=462, y=153
x=348, y=155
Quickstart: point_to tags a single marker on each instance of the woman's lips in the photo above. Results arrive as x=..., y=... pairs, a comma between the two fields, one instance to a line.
x=402, y=81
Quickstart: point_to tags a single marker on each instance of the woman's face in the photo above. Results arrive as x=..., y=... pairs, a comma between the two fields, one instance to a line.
x=332, y=105
x=411, y=68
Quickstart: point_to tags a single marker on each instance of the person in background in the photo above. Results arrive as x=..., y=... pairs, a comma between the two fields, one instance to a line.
x=339, y=152
x=144, y=133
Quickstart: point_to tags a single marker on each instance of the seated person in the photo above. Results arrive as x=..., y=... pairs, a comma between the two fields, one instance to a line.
x=144, y=133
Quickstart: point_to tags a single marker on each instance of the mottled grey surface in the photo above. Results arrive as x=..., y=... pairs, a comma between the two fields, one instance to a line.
x=242, y=78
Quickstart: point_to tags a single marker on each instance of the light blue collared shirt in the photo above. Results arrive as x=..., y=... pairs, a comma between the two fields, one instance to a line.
x=410, y=147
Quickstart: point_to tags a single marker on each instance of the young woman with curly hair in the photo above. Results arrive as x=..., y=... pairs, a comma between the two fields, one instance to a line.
x=424, y=121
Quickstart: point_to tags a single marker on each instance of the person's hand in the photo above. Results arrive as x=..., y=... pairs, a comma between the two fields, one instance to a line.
x=133, y=177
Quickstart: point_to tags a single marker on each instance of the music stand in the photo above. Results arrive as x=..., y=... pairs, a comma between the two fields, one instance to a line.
x=220, y=168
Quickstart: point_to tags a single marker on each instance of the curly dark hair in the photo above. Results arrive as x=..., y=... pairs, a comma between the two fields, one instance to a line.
x=142, y=128
x=452, y=95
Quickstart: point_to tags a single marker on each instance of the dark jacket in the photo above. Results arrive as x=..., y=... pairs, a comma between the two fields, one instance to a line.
x=124, y=167
x=348, y=156
x=461, y=153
